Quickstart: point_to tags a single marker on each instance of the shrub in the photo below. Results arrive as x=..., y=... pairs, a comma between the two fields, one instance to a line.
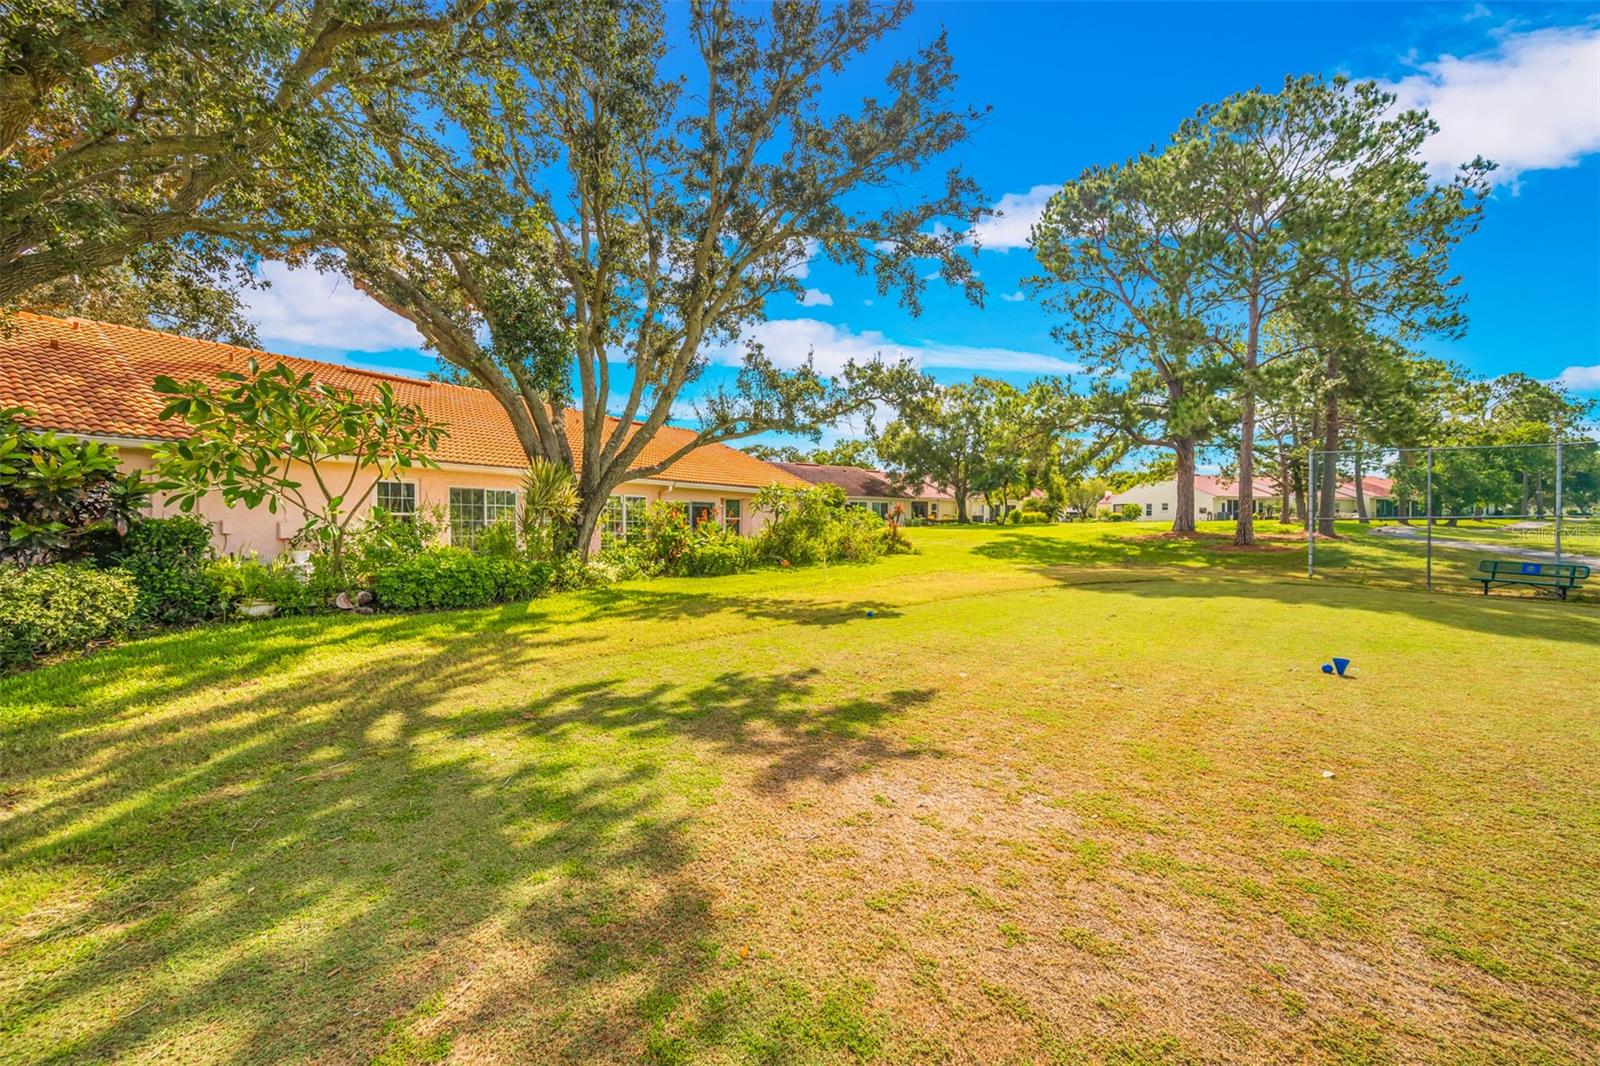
x=61, y=498
x=168, y=559
x=498, y=540
x=47, y=609
x=1132, y=512
x=455, y=577
x=385, y=538
x=816, y=525
x=714, y=551
x=665, y=537
x=1032, y=518
x=294, y=590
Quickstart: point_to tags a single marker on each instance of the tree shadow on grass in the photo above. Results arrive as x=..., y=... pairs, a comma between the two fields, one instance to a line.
x=307, y=863
x=654, y=604
x=1369, y=575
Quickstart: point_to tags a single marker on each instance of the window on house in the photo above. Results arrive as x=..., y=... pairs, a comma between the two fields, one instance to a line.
x=700, y=511
x=623, y=517
x=1164, y=505
x=879, y=508
x=733, y=515
x=1149, y=509
x=399, y=498
x=472, y=510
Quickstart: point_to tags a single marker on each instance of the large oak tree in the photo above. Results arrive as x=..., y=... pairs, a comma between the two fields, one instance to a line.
x=205, y=127
x=610, y=226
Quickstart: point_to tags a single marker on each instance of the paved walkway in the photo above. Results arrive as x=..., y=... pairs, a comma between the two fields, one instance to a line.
x=1420, y=536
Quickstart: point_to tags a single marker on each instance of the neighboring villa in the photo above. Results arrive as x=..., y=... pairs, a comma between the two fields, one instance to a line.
x=95, y=380
x=1218, y=498
x=877, y=491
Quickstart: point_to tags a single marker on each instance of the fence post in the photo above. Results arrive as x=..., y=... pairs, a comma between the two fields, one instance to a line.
x=1430, y=519
x=1558, y=503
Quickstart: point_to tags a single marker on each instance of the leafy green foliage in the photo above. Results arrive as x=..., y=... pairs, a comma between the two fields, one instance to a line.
x=125, y=126
x=456, y=578
x=385, y=539
x=666, y=536
x=817, y=525
x=651, y=225
x=191, y=287
x=168, y=559
x=715, y=551
x=839, y=453
x=549, y=503
x=61, y=498
x=292, y=589
x=255, y=436
x=63, y=607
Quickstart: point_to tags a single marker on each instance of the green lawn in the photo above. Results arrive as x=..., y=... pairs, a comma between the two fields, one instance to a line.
x=1067, y=797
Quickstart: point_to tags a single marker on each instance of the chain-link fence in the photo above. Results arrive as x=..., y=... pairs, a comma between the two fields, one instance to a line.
x=1521, y=518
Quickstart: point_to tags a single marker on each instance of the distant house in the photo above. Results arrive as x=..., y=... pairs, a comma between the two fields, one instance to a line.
x=95, y=380
x=878, y=491
x=1218, y=498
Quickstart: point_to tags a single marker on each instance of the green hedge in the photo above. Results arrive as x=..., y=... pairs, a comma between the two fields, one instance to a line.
x=454, y=577
x=46, y=609
x=168, y=558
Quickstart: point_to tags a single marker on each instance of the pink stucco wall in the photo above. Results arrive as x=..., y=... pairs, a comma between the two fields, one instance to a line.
x=240, y=530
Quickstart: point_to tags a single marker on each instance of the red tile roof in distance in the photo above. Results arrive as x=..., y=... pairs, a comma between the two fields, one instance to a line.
x=861, y=481
x=855, y=480
x=80, y=376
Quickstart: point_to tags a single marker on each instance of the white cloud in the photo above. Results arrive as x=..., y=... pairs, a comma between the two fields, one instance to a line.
x=1532, y=103
x=802, y=268
x=816, y=298
x=1016, y=214
x=325, y=310
x=1580, y=378
x=1012, y=297
x=787, y=341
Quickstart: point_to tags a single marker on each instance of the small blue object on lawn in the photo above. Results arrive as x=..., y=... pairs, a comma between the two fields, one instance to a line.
x=1327, y=668
x=1339, y=666
x=872, y=614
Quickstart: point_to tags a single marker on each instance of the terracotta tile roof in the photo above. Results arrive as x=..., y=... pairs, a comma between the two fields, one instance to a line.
x=861, y=481
x=855, y=480
x=80, y=376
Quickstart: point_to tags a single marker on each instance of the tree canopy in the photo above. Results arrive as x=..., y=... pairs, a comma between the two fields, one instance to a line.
x=204, y=127
x=611, y=227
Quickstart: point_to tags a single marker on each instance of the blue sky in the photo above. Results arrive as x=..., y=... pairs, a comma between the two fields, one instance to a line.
x=1075, y=84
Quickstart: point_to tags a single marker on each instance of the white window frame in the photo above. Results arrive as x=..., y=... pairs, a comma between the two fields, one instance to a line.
x=377, y=491
x=484, y=520
x=620, y=517
x=733, y=522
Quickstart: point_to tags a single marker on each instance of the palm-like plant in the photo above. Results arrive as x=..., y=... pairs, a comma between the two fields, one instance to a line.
x=549, y=500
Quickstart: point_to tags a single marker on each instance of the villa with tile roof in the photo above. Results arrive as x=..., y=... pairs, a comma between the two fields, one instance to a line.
x=883, y=493
x=96, y=380
x=1218, y=498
